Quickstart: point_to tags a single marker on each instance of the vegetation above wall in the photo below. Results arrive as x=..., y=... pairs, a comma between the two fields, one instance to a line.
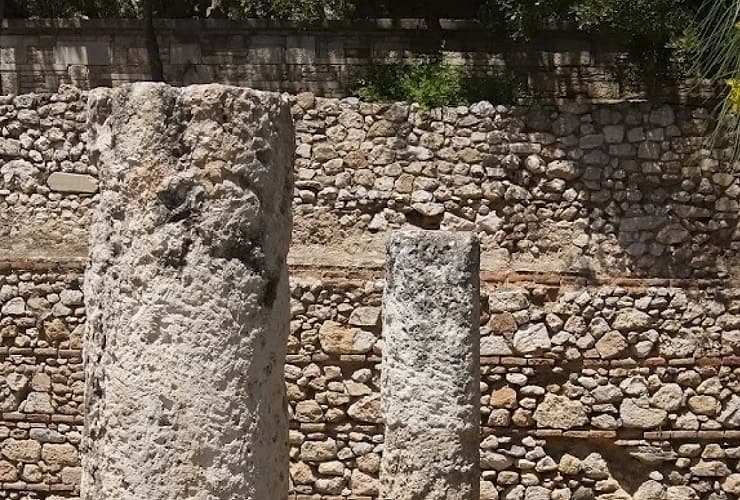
x=432, y=83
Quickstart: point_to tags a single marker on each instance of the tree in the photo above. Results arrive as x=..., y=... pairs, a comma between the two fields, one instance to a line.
x=150, y=39
x=718, y=61
x=653, y=31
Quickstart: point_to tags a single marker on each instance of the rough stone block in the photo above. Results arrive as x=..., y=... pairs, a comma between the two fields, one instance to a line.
x=72, y=183
x=93, y=53
x=432, y=342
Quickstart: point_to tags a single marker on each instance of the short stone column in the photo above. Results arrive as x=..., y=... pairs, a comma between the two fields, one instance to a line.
x=187, y=294
x=430, y=378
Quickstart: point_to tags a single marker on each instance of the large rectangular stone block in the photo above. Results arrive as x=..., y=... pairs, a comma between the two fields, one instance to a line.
x=431, y=367
x=82, y=52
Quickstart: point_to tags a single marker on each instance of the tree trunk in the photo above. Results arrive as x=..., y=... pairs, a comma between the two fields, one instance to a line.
x=152, y=47
x=2, y=17
x=433, y=23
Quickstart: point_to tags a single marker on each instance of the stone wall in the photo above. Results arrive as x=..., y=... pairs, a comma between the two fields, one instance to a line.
x=46, y=180
x=588, y=390
x=39, y=55
x=42, y=380
x=625, y=189
x=610, y=310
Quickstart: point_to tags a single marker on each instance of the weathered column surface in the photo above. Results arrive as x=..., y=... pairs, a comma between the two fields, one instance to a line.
x=187, y=294
x=431, y=367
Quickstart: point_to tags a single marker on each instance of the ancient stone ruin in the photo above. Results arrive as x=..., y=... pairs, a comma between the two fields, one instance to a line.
x=431, y=367
x=609, y=300
x=187, y=295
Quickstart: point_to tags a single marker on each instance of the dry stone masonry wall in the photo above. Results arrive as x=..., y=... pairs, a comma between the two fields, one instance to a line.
x=610, y=321
x=649, y=403
x=42, y=321
x=46, y=179
x=603, y=422
x=624, y=189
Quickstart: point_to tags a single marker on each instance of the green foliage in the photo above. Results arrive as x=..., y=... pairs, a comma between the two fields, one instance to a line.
x=523, y=19
x=307, y=11
x=499, y=87
x=651, y=30
x=434, y=83
x=683, y=49
x=717, y=60
x=380, y=82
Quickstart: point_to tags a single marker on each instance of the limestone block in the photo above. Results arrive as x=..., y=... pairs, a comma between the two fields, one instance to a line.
x=60, y=454
x=431, y=334
x=365, y=316
x=187, y=294
x=38, y=402
x=72, y=183
x=637, y=414
x=21, y=450
x=336, y=338
x=8, y=471
x=366, y=409
x=300, y=49
x=560, y=412
x=94, y=53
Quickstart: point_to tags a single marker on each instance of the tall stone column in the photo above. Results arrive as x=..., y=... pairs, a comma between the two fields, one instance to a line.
x=430, y=378
x=187, y=294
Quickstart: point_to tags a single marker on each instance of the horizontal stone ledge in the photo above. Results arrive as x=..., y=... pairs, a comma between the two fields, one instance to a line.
x=41, y=352
x=622, y=436
x=27, y=417
x=513, y=361
x=331, y=428
x=332, y=497
x=58, y=488
x=626, y=436
x=44, y=264
x=300, y=359
x=248, y=26
x=68, y=419
x=613, y=363
x=373, y=359
x=23, y=486
x=353, y=275
x=63, y=182
x=345, y=276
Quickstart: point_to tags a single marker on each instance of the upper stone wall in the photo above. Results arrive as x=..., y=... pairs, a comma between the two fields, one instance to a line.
x=46, y=180
x=39, y=55
x=624, y=189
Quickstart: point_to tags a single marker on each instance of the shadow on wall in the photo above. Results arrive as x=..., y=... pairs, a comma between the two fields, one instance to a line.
x=645, y=195
x=30, y=65
x=574, y=65
x=616, y=462
x=645, y=178
x=625, y=187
